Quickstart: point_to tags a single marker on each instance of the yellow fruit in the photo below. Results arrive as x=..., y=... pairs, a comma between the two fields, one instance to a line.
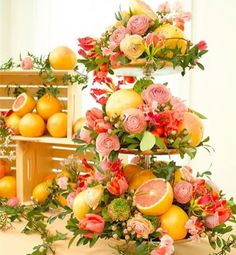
x=194, y=126
x=23, y=104
x=8, y=187
x=154, y=197
x=121, y=100
x=139, y=178
x=78, y=124
x=62, y=58
x=130, y=170
x=183, y=174
x=32, y=125
x=174, y=37
x=57, y=125
x=47, y=105
x=94, y=196
x=13, y=122
x=140, y=7
x=80, y=206
x=173, y=221
x=41, y=192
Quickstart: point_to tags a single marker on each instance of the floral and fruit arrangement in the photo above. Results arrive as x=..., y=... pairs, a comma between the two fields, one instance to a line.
x=147, y=205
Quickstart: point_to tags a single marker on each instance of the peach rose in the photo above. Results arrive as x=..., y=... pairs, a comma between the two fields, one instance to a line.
x=13, y=202
x=132, y=46
x=141, y=226
x=26, y=63
x=85, y=134
x=106, y=143
x=156, y=93
x=118, y=185
x=138, y=24
x=118, y=35
x=93, y=223
x=212, y=221
x=183, y=192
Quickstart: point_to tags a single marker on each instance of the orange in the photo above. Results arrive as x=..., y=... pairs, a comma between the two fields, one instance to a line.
x=80, y=206
x=173, y=221
x=50, y=177
x=193, y=124
x=5, y=168
x=62, y=200
x=140, y=7
x=121, y=100
x=47, y=105
x=154, y=197
x=41, y=192
x=23, y=104
x=78, y=124
x=62, y=58
x=57, y=125
x=139, y=178
x=32, y=125
x=130, y=170
x=8, y=187
x=13, y=122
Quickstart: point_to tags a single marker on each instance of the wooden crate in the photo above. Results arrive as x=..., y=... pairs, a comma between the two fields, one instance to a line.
x=37, y=157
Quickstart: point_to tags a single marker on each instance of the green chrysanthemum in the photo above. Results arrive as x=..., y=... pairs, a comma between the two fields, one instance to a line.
x=119, y=209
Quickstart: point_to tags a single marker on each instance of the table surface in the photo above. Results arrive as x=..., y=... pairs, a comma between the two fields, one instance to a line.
x=12, y=242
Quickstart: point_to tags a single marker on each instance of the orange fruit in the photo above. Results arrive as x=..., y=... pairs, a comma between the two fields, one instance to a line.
x=62, y=58
x=78, y=124
x=62, y=200
x=173, y=221
x=80, y=206
x=5, y=168
x=154, y=197
x=140, y=7
x=50, y=177
x=23, y=104
x=13, y=122
x=47, y=105
x=8, y=187
x=193, y=124
x=130, y=170
x=32, y=125
x=121, y=100
x=41, y=192
x=139, y=178
x=57, y=125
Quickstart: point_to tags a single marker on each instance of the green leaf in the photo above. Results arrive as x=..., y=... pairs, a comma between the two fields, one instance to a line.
x=148, y=141
x=141, y=84
x=160, y=144
x=218, y=242
x=200, y=66
x=201, y=116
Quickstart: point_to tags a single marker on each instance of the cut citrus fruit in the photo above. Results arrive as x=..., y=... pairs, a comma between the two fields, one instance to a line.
x=121, y=100
x=62, y=58
x=32, y=125
x=173, y=221
x=94, y=196
x=130, y=170
x=23, y=104
x=13, y=122
x=47, y=105
x=139, y=178
x=8, y=187
x=154, y=197
x=41, y=192
x=183, y=174
x=80, y=206
x=140, y=7
x=57, y=125
x=193, y=124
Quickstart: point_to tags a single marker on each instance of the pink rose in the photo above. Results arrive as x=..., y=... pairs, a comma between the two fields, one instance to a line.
x=155, y=39
x=118, y=35
x=212, y=221
x=141, y=226
x=183, y=192
x=106, y=143
x=93, y=223
x=178, y=108
x=164, y=7
x=26, y=63
x=118, y=185
x=159, y=251
x=156, y=93
x=62, y=182
x=134, y=121
x=70, y=199
x=138, y=24
x=85, y=134
x=87, y=43
x=202, y=45
x=13, y=202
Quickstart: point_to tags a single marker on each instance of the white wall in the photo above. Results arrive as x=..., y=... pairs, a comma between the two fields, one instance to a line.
x=213, y=91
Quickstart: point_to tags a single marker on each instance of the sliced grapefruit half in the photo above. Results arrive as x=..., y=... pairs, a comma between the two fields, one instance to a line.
x=154, y=197
x=23, y=104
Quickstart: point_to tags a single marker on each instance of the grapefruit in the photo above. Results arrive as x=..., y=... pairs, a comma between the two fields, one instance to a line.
x=32, y=125
x=154, y=197
x=5, y=168
x=62, y=58
x=174, y=38
x=78, y=124
x=13, y=122
x=41, y=192
x=173, y=221
x=121, y=100
x=57, y=125
x=193, y=124
x=23, y=104
x=139, y=178
x=80, y=206
x=47, y=105
x=140, y=7
x=130, y=170
x=8, y=187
